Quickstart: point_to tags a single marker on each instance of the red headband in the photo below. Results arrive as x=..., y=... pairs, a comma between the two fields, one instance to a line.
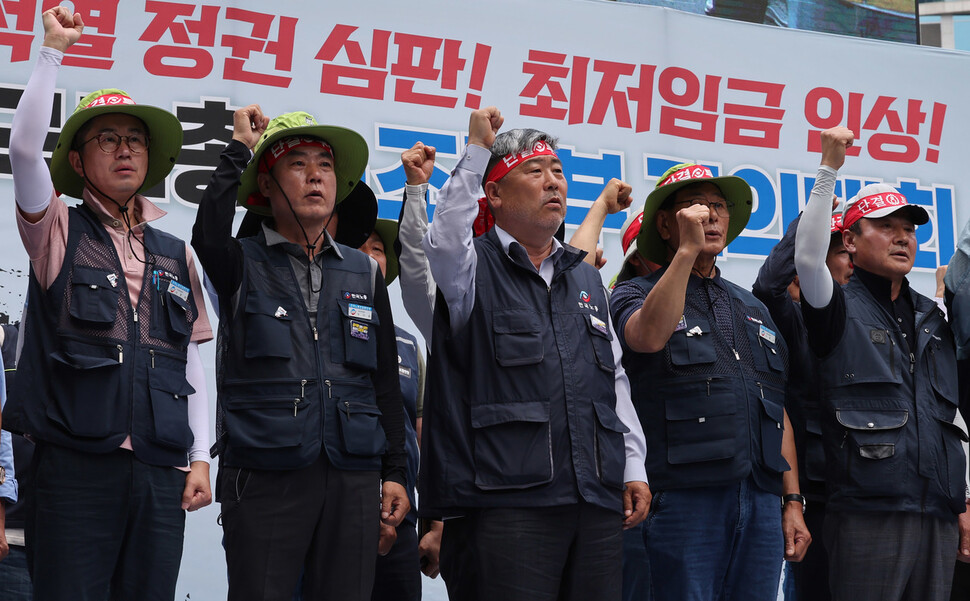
x=871, y=204
x=110, y=99
x=631, y=232
x=282, y=147
x=511, y=161
x=689, y=172
x=484, y=221
x=836, y=222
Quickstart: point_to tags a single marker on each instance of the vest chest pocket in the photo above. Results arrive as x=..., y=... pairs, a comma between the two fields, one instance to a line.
x=94, y=295
x=772, y=428
x=518, y=338
x=610, y=450
x=701, y=422
x=512, y=444
x=692, y=343
x=268, y=323
x=170, y=392
x=170, y=314
x=361, y=432
x=814, y=451
x=875, y=446
x=765, y=350
x=353, y=340
x=943, y=371
x=602, y=347
x=274, y=420
x=86, y=387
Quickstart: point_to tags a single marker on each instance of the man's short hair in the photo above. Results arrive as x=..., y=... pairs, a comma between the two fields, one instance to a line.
x=515, y=141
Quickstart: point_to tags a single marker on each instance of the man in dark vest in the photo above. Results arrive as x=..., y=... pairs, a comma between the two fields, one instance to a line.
x=531, y=449
x=777, y=287
x=110, y=384
x=707, y=369
x=310, y=421
x=894, y=460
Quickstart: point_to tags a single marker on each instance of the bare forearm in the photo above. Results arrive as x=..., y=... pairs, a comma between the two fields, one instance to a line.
x=789, y=480
x=649, y=328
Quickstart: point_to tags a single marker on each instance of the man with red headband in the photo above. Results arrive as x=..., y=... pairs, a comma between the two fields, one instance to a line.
x=707, y=375
x=110, y=384
x=310, y=419
x=531, y=450
x=895, y=464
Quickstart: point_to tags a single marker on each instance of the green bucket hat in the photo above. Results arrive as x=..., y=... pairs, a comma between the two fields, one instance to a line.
x=734, y=189
x=387, y=229
x=164, y=132
x=349, y=156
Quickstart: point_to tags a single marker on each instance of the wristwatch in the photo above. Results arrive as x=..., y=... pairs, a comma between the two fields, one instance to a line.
x=794, y=497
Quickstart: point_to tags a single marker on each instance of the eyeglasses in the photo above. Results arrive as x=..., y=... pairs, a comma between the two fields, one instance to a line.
x=109, y=142
x=723, y=209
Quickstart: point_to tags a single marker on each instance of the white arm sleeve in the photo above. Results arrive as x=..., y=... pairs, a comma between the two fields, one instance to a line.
x=812, y=241
x=198, y=405
x=418, y=287
x=31, y=177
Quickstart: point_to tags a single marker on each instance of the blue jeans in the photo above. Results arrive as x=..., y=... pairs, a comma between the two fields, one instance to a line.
x=715, y=543
x=14, y=577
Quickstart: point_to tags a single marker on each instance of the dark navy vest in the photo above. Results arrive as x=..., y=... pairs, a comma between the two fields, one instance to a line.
x=289, y=389
x=712, y=412
x=521, y=403
x=409, y=374
x=94, y=369
x=887, y=412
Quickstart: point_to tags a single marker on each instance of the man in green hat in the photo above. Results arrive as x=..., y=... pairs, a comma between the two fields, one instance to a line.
x=110, y=385
x=310, y=418
x=707, y=373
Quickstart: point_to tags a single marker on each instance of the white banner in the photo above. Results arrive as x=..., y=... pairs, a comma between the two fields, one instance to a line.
x=628, y=89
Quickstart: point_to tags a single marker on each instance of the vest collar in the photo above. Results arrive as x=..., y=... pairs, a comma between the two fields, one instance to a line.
x=273, y=238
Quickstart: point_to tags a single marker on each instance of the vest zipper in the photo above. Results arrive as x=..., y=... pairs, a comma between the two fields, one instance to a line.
x=134, y=313
x=736, y=355
x=296, y=402
x=121, y=355
x=892, y=354
x=316, y=336
x=761, y=389
x=151, y=353
x=912, y=363
x=709, y=386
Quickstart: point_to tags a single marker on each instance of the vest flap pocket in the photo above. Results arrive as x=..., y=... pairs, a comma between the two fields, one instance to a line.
x=353, y=335
x=773, y=428
x=170, y=414
x=602, y=347
x=268, y=326
x=608, y=418
x=954, y=477
x=513, y=445
x=518, y=337
x=176, y=315
x=701, y=426
x=93, y=297
x=85, y=384
x=814, y=451
x=692, y=343
x=499, y=413
x=360, y=425
x=943, y=369
x=266, y=422
x=954, y=430
x=610, y=450
x=872, y=420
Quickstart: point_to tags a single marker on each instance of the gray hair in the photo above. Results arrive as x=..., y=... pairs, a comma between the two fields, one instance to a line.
x=516, y=141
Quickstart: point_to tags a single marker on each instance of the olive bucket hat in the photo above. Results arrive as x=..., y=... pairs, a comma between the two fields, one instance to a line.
x=164, y=134
x=348, y=147
x=736, y=191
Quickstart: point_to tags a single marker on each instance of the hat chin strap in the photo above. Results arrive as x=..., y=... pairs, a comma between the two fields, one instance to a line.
x=310, y=246
x=123, y=209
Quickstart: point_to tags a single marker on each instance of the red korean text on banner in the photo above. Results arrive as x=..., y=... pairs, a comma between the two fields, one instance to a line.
x=94, y=49
x=888, y=128
x=190, y=29
x=17, y=27
x=259, y=41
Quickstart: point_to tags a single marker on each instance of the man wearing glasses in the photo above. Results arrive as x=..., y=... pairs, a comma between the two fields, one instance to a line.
x=707, y=371
x=110, y=385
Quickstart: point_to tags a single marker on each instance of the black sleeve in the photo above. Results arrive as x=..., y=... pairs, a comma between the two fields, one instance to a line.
x=220, y=253
x=774, y=277
x=387, y=384
x=825, y=326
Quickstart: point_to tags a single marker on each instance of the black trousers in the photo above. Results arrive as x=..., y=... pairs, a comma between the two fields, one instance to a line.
x=103, y=526
x=318, y=520
x=565, y=553
x=398, y=576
